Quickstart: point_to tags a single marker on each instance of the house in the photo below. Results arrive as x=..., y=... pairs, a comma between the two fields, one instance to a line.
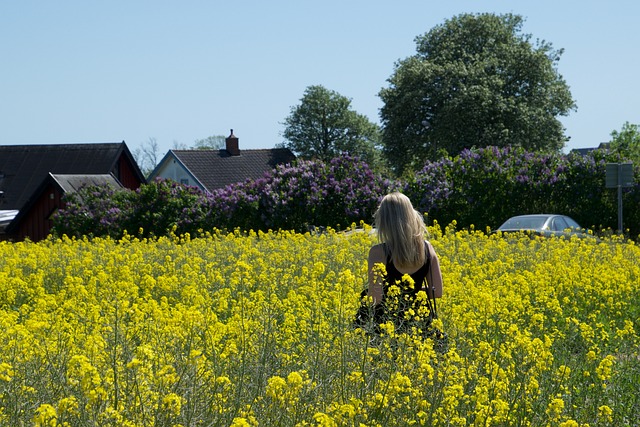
x=28, y=183
x=584, y=151
x=213, y=169
x=33, y=221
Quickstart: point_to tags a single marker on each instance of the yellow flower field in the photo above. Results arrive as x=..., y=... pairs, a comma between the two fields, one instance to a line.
x=256, y=330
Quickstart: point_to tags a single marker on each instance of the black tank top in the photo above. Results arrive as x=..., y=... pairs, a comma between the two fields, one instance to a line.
x=394, y=276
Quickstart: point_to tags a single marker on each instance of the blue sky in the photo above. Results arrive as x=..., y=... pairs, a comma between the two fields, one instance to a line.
x=177, y=71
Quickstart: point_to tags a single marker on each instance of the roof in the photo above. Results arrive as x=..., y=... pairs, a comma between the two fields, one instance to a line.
x=24, y=167
x=584, y=151
x=6, y=217
x=72, y=183
x=217, y=168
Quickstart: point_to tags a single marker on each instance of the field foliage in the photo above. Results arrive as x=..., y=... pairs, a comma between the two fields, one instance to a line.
x=256, y=329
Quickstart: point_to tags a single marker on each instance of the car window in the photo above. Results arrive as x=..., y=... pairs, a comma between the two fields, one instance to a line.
x=559, y=224
x=572, y=223
x=527, y=223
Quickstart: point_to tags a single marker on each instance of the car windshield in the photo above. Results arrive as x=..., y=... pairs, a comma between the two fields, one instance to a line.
x=525, y=223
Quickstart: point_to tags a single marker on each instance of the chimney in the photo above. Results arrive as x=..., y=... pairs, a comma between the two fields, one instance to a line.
x=232, y=144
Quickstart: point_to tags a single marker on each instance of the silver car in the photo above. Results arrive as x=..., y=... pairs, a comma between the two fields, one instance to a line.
x=544, y=225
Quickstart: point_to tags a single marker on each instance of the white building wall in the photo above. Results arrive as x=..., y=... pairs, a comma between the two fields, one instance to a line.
x=173, y=170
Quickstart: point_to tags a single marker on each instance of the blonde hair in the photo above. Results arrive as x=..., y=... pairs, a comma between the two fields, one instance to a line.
x=403, y=230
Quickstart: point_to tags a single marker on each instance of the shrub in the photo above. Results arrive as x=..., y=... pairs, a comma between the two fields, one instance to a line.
x=486, y=186
x=94, y=211
x=481, y=187
x=301, y=197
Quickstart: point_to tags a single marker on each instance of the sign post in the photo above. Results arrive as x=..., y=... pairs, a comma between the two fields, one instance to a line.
x=619, y=175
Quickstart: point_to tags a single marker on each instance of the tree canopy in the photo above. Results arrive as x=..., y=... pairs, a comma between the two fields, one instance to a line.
x=475, y=81
x=323, y=126
x=626, y=142
x=213, y=142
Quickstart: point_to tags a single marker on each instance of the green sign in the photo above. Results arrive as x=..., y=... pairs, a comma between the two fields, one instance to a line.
x=619, y=174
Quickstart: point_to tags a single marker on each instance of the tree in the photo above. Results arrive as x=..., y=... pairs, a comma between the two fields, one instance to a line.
x=323, y=126
x=214, y=142
x=475, y=81
x=626, y=143
x=147, y=156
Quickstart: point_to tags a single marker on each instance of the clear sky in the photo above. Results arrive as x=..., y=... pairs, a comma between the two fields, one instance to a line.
x=177, y=71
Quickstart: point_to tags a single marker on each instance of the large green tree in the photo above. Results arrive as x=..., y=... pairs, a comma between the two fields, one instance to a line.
x=475, y=81
x=323, y=126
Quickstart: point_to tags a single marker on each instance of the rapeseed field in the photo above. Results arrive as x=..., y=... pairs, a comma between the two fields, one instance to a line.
x=255, y=329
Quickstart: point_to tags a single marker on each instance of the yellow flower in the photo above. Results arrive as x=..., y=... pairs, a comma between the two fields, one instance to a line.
x=172, y=403
x=276, y=387
x=605, y=412
x=604, y=369
x=6, y=372
x=324, y=420
x=68, y=405
x=555, y=408
x=45, y=416
x=240, y=422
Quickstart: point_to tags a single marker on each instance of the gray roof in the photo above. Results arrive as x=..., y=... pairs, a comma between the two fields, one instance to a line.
x=217, y=168
x=72, y=183
x=24, y=167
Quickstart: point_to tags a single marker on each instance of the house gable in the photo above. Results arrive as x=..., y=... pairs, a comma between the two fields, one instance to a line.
x=23, y=167
x=214, y=169
x=170, y=167
x=217, y=168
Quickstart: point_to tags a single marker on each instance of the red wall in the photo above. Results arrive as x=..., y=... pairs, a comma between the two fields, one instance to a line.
x=126, y=175
x=36, y=224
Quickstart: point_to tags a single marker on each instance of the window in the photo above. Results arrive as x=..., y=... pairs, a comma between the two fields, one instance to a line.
x=559, y=224
x=184, y=181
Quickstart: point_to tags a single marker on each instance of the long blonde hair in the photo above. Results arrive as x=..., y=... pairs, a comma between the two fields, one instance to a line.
x=402, y=228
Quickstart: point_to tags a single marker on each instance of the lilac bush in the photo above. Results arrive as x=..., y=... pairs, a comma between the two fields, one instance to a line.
x=94, y=211
x=486, y=186
x=303, y=196
x=300, y=197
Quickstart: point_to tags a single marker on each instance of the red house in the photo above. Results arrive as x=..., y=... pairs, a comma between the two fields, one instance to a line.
x=33, y=179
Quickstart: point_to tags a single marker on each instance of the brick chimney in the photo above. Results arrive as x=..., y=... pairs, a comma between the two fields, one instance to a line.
x=232, y=144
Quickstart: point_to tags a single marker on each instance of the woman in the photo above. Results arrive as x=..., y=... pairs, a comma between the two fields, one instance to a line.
x=403, y=250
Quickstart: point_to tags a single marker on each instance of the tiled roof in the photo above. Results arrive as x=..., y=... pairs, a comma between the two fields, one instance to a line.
x=24, y=167
x=217, y=168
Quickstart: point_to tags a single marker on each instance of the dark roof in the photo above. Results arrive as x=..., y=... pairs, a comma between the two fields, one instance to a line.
x=24, y=167
x=217, y=168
